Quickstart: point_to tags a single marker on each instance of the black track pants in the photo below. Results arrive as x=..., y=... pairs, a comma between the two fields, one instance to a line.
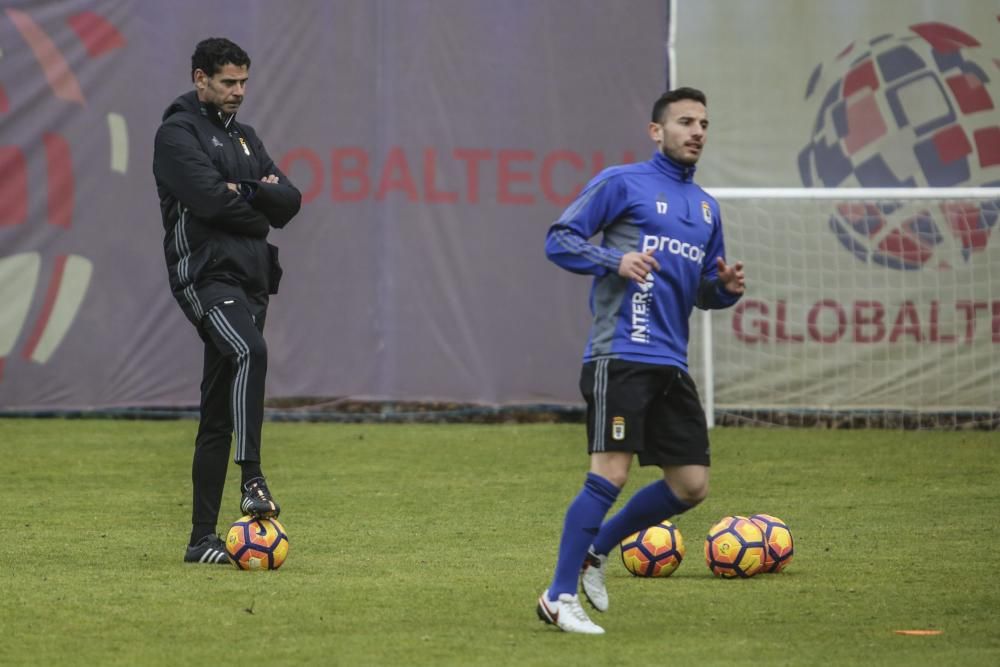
x=232, y=402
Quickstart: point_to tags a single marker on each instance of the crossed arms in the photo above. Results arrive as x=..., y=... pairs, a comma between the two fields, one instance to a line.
x=248, y=208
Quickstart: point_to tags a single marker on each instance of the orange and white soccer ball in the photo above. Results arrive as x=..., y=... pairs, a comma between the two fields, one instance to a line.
x=735, y=547
x=257, y=544
x=778, y=543
x=653, y=552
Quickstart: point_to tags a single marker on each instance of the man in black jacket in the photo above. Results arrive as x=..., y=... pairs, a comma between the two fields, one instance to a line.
x=220, y=194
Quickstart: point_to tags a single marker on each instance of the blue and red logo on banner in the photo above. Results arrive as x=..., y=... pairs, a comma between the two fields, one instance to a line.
x=918, y=110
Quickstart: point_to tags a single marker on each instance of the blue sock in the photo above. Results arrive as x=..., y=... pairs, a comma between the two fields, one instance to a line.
x=649, y=506
x=583, y=519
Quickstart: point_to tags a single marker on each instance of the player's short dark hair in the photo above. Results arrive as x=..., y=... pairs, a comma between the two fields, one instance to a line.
x=214, y=53
x=675, y=95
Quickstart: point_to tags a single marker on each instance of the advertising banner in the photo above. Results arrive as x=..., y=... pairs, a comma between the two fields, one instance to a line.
x=885, y=304
x=434, y=141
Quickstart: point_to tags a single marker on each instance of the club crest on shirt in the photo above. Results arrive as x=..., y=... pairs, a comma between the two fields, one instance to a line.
x=618, y=428
x=706, y=212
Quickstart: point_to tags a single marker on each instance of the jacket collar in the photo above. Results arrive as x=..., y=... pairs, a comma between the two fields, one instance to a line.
x=210, y=111
x=672, y=168
x=215, y=114
x=189, y=102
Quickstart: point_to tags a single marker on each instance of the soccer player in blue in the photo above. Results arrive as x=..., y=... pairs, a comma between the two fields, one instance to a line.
x=661, y=254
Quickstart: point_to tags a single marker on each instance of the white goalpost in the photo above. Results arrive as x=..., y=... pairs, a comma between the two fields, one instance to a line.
x=865, y=307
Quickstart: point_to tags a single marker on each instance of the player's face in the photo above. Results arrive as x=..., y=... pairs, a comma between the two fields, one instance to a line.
x=682, y=134
x=225, y=88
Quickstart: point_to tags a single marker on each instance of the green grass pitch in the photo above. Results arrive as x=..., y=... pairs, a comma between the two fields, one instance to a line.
x=428, y=545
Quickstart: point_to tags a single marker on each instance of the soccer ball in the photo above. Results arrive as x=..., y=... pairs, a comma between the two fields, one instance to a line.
x=653, y=552
x=735, y=548
x=257, y=544
x=777, y=541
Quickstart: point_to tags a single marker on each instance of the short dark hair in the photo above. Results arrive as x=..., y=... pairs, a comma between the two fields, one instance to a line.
x=214, y=53
x=675, y=95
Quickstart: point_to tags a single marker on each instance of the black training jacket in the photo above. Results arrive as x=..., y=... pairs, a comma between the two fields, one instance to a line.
x=216, y=239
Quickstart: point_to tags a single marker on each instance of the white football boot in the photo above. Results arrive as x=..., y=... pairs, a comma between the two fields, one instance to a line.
x=567, y=614
x=592, y=580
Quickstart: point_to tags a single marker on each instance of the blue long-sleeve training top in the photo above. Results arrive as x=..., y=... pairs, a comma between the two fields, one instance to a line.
x=649, y=205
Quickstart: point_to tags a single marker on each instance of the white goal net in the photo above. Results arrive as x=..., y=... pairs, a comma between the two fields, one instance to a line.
x=864, y=307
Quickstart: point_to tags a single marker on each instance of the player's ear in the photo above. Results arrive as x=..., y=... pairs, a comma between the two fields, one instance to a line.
x=656, y=132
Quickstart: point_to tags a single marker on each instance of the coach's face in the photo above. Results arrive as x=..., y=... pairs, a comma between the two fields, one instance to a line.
x=682, y=134
x=225, y=88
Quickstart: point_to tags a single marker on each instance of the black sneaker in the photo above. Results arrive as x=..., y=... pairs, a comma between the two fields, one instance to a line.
x=257, y=500
x=209, y=550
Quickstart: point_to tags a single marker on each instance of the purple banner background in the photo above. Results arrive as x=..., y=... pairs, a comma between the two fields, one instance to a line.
x=434, y=142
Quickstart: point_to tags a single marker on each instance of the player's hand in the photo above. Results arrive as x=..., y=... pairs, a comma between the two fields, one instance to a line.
x=638, y=265
x=232, y=186
x=731, y=276
x=270, y=178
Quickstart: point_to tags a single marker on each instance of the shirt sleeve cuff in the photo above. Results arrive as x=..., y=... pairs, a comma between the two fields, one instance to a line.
x=725, y=296
x=247, y=189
